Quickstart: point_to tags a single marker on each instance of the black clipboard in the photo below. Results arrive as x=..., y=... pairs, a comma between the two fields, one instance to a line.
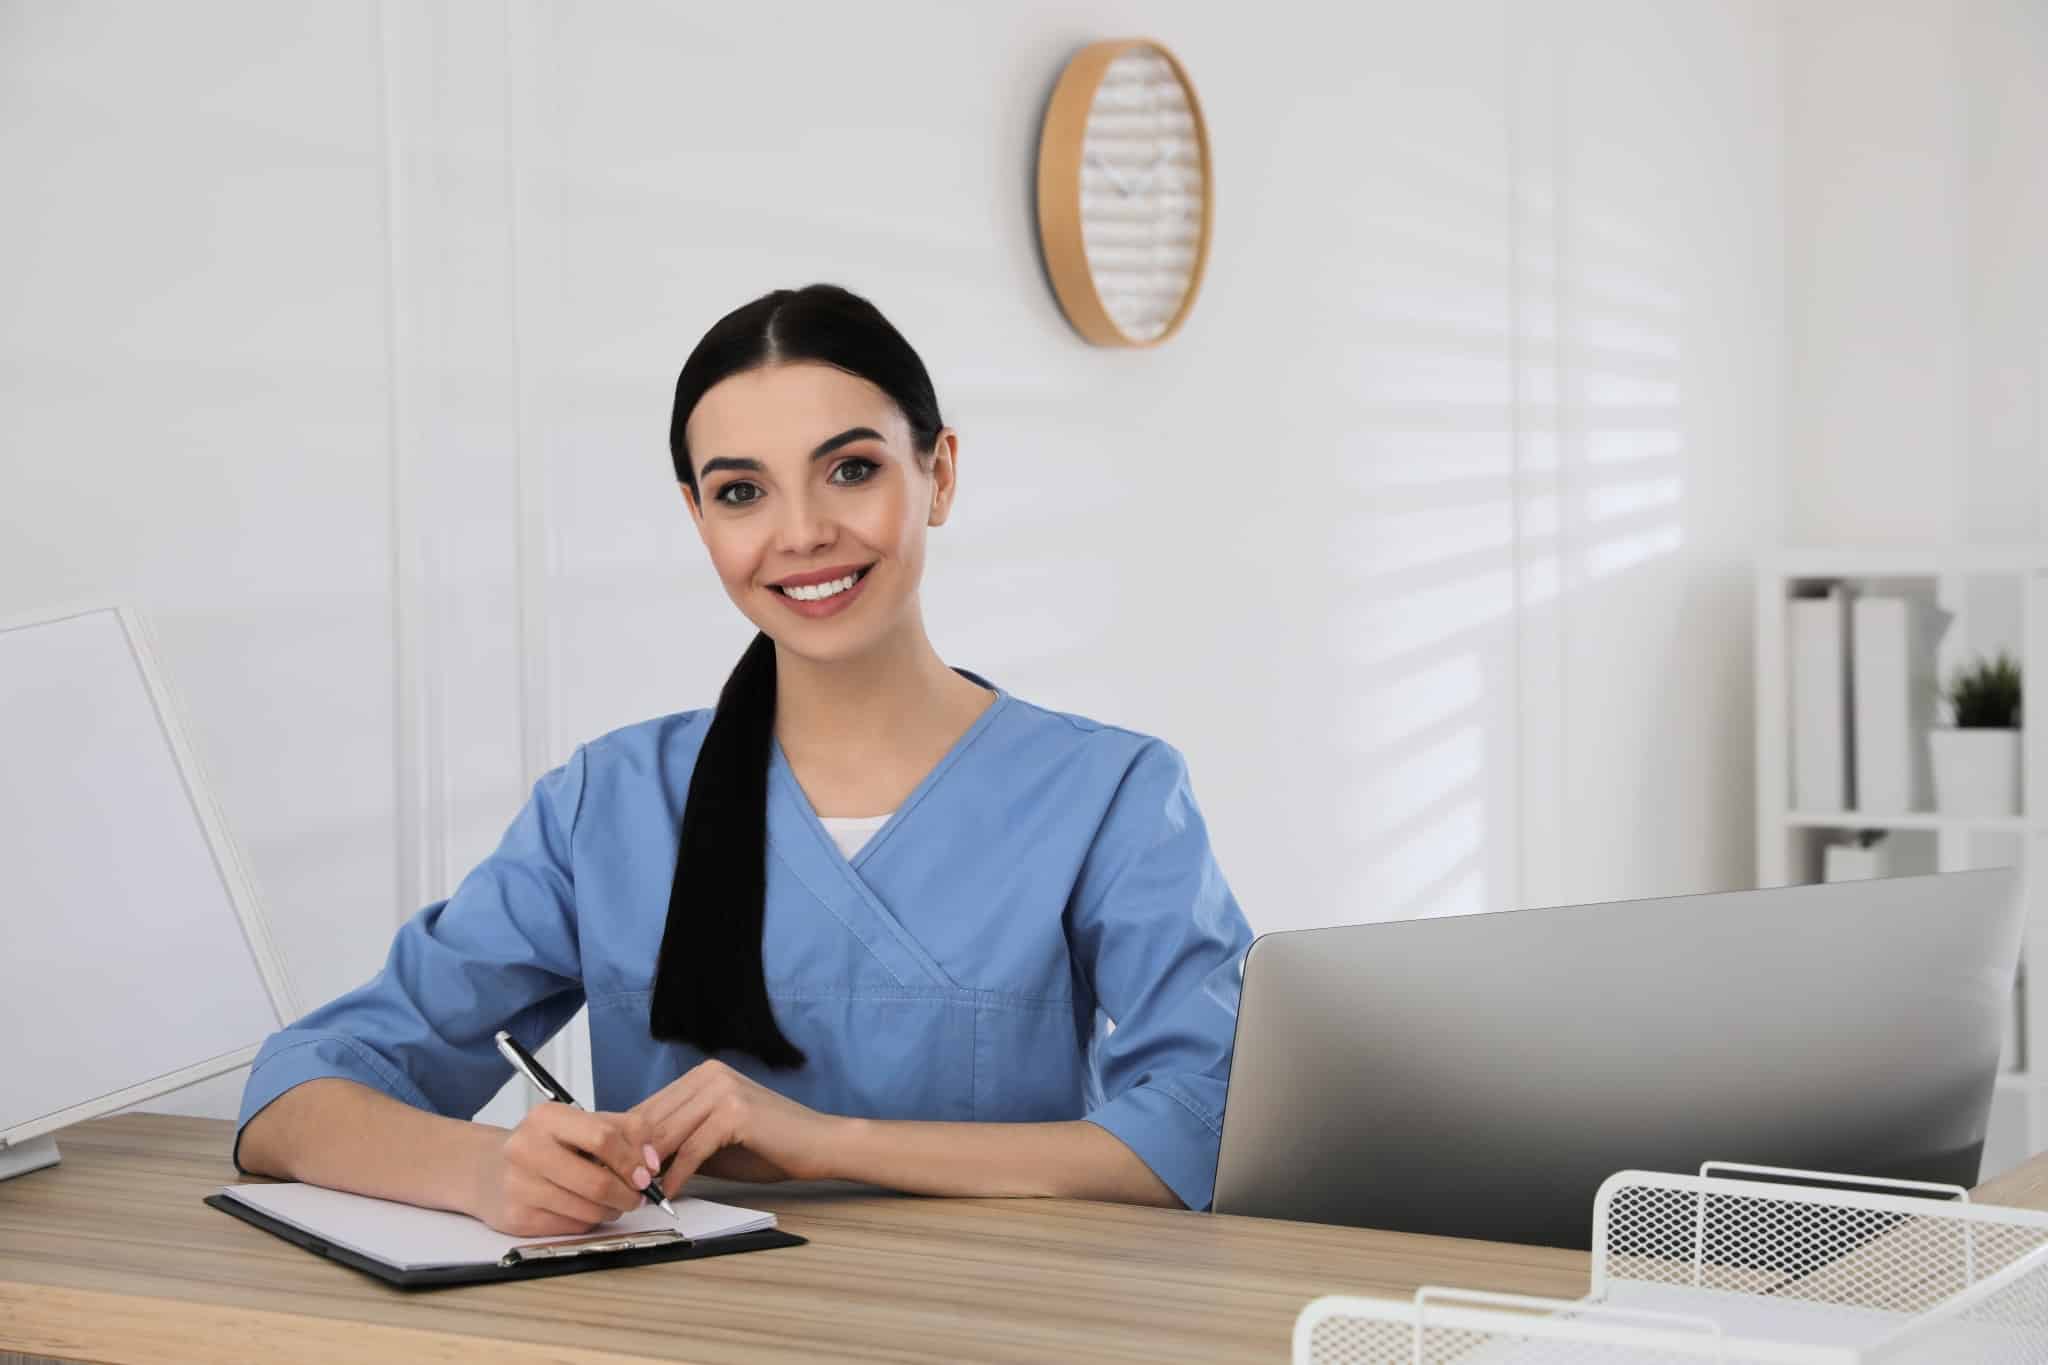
x=595, y=1253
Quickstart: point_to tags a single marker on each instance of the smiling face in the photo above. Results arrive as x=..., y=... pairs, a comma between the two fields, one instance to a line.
x=808, y=477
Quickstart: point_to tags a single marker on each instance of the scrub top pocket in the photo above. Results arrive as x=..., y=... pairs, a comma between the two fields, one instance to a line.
x=1029, y=1063
x=882, y=1056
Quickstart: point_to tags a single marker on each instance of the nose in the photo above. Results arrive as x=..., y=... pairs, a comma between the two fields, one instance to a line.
x=804, y=527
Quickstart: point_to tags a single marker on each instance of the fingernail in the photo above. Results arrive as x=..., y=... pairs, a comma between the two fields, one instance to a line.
x=640, y=1177
x=653, y=1157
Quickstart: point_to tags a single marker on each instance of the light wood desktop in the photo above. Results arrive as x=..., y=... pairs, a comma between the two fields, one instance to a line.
x=110, y=1257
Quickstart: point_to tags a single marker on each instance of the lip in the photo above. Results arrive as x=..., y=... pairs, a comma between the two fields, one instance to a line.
x=817, y=576
x=830, y=606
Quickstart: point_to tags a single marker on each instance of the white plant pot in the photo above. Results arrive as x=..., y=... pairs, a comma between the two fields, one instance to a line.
x=1976, y=772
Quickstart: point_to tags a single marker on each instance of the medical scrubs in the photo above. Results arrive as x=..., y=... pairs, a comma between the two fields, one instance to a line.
x=1050, y=875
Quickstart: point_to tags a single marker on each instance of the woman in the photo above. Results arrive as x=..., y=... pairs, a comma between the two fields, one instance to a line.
x=869, y=919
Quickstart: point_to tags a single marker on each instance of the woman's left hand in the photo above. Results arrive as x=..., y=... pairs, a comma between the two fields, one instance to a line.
x=720, y=1122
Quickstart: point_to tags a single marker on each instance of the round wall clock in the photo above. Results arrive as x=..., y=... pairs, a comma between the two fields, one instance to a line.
x=1124, y=192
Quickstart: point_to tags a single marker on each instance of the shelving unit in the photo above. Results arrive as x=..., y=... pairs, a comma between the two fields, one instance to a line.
x=1998, y=596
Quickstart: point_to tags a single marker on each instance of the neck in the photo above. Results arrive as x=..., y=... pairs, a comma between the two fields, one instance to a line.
x=893, y=693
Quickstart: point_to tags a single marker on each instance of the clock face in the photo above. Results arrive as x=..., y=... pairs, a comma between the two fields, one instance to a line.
x=1142, y=192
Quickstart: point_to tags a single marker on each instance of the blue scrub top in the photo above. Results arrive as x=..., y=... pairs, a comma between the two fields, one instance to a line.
x=1049, y=875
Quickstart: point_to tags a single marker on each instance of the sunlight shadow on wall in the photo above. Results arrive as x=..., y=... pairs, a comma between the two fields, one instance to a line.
x=1493, y=474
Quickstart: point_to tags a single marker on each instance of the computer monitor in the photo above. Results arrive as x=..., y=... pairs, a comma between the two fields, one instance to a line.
x=1480, y=1075
x=136, y=957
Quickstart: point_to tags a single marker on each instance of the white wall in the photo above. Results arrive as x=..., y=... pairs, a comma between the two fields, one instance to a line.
x=1917, y=301
x=342, y=338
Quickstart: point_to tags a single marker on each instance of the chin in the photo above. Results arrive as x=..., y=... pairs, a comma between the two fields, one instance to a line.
x=822, y=642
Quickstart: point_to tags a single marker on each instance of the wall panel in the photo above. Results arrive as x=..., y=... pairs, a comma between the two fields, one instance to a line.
x=1424, y=540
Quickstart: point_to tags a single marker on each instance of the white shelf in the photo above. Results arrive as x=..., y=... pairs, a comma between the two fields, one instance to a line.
x=1879, y=561
x=1857, y=819
x=1995, y=595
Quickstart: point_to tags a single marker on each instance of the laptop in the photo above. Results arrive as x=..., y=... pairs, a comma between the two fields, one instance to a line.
x=1480, y=1075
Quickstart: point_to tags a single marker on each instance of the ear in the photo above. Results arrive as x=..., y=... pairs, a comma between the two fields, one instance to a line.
x=945, y=475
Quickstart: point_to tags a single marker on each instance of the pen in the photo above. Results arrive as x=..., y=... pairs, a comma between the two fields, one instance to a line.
x=529, y=1066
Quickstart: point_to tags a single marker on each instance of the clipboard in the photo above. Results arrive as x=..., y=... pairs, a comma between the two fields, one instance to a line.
x=598, y=1252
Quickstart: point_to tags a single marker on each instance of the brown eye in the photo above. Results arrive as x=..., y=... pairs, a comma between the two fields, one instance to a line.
x=722, y=494
x=864, y=468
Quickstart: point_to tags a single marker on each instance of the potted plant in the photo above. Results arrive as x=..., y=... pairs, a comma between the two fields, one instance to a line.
x=1977, y=764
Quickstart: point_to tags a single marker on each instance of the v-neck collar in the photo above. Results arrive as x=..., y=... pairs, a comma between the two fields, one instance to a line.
x=779, y=769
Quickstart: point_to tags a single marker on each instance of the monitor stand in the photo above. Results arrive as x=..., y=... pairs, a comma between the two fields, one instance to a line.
x=33, y=1155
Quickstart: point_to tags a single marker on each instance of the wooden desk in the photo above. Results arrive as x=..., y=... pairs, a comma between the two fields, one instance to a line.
x=110, y=1257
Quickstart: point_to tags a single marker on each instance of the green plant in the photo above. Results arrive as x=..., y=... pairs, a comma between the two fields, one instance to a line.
x=1986, y=694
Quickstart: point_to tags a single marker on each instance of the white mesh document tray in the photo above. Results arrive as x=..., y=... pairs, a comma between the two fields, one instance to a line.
x=1718, y=1267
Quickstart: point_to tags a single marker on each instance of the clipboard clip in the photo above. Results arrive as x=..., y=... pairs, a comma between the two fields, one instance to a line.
x=582, y=1246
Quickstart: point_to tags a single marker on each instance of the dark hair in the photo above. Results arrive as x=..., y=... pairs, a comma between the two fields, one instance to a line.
x=709, y=986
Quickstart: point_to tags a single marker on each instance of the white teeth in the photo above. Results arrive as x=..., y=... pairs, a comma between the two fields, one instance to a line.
x=819, y=591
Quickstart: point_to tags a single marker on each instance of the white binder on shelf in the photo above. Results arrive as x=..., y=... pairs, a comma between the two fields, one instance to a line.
x=1892, y=683
x=1818, y=651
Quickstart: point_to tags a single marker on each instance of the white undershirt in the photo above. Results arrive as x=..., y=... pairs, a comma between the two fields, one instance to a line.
x=850, y=832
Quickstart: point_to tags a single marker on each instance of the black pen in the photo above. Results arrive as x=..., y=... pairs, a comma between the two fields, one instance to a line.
x=529, y=1066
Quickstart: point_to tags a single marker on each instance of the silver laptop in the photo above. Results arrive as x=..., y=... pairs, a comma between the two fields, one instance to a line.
x=1479, y=1076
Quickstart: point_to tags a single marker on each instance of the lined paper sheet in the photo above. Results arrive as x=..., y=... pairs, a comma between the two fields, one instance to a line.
x=411, y=1238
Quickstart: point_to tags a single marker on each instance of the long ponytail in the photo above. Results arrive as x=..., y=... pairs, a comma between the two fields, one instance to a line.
x=709, y=986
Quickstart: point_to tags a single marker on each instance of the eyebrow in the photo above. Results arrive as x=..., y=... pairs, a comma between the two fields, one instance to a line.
x=824, y=448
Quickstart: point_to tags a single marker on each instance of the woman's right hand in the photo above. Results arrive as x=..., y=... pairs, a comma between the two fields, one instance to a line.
x=563, y=1171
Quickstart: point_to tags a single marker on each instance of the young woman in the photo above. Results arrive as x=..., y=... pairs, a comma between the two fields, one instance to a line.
x=870, y=918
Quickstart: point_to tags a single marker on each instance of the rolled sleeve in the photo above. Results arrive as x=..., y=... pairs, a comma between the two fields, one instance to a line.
x=1159, y=937
x=501, y=953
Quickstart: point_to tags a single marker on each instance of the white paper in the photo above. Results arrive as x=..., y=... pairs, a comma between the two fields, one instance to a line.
x=408, y=1237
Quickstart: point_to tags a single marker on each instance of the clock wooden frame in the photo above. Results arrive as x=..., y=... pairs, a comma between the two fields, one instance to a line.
x=1061, y=141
